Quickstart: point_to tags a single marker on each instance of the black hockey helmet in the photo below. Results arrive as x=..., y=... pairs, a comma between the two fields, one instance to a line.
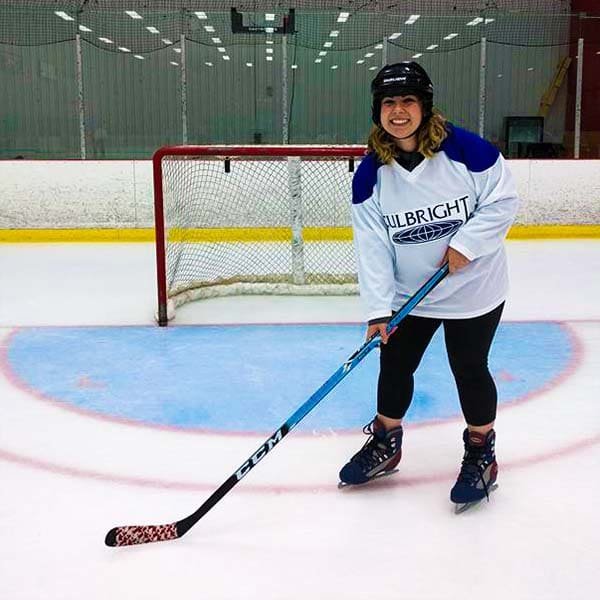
x=402, y=79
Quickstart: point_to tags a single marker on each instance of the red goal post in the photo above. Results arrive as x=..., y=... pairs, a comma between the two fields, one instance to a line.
x=252, y=220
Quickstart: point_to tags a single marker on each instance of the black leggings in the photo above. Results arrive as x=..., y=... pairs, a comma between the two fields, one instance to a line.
x=468, y=344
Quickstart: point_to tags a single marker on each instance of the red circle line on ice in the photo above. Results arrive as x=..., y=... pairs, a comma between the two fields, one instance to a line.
x=89, y=472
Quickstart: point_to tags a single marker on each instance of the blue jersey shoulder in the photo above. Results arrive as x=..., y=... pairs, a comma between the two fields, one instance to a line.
x=469, y=149
x=365, y=178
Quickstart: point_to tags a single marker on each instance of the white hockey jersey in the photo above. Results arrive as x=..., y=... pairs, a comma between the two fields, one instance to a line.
x=403, y=222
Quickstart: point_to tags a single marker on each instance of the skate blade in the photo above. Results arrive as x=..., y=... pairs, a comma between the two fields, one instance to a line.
x=343, y=484
x=461, y=508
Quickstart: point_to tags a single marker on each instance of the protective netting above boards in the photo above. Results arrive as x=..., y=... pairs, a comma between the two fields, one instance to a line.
x=118, y=79
x=144, y=27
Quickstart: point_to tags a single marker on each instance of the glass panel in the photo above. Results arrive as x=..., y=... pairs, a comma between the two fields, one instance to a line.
x=234, y=101
x=590, y=109
x=132, y=106
x=522, y=116
x=39, y=111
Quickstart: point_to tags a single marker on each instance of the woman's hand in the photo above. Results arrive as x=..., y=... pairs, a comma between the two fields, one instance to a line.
x=455, y=260
x=378, y=328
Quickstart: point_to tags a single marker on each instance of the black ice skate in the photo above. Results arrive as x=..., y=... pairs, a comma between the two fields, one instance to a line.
x=477, y=477
x=378, y=457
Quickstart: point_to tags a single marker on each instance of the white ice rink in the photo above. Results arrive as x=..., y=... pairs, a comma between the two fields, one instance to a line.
x=286, y=531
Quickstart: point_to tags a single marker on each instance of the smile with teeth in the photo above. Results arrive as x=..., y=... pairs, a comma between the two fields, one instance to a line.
x=399, y=121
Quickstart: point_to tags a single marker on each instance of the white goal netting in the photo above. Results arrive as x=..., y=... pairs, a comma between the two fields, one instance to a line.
x=263, y=222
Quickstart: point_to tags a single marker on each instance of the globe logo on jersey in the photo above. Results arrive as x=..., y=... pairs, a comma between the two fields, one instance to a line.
x=426, y=232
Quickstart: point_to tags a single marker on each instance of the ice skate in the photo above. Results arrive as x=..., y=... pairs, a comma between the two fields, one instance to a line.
x=477, y=477
x=377, y=458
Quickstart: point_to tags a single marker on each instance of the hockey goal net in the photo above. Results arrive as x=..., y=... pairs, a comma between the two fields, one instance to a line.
x=252, y=220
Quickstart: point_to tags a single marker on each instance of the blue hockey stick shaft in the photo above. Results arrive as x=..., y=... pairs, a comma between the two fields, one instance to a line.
x=142, y=534
x=370, y=344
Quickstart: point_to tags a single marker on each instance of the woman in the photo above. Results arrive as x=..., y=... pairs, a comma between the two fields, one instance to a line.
x=427, y=193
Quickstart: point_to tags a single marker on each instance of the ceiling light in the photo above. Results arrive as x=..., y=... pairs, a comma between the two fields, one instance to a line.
x=269, y=57
x=201, y=15
x=417, y=55
x=499, y=75
x=269, y=16
x=327, y=44
x=451, y=36
x=488, y=21
x=360, y=62
x=411, y=19
x=432, y=47
x=178, y=50
x=105, y=40
x=138, y=56
x=318, y=60
x=208, y=64
x=175, y=64
x=63, y=15
x=84, y=28
x=294, y=66
x=225, y=57
x=269, y=29
x=373, y=68
x=530, y=69
x=216, y=40
x=248, y=64
x=334, y=33
x=133, y=14
x=269, y=50
x=269, y=42
x=334, y=66
x=209, y=28
x=123, y=49
x=343, y=17
x=475, y=21
x=167, y=41
x=152, y=30
x=221, y=49
x=322, y=53
x=369, y=54
x=379, y=47
x=394, y=36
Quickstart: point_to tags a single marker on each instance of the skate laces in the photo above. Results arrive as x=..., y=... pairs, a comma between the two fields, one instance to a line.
x=374, y=451
x=474, y=464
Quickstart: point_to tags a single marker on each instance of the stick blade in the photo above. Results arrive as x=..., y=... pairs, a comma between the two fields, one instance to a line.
x=131, y=535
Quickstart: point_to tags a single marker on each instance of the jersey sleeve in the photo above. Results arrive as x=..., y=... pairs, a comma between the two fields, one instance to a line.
x=374, y=252
x=495, y=209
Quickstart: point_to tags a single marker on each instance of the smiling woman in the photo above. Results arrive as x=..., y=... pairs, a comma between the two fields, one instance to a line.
x=401, y=117
x=418, y=164
x=406, y=126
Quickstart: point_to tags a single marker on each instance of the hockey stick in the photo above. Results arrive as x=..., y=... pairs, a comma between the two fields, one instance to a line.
x=143, y=534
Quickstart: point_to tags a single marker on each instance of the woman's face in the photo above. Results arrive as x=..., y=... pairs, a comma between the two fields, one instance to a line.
x=401, y=117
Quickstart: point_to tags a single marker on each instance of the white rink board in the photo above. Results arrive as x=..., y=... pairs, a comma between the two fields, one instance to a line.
x=118, y=194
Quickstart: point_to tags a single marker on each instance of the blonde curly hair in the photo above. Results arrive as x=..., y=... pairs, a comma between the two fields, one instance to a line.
x=429, y=138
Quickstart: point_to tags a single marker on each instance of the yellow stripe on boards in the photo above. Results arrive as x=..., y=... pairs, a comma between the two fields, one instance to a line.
x=258, y=234
x=231, y=234
x=75, y=235
x=548, y=232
